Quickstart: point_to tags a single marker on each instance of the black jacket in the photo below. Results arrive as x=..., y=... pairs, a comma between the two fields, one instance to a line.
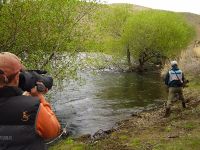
x=17, y=121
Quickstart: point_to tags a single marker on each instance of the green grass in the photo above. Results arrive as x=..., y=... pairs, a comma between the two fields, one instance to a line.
x=124, y=137
x=68, y=144
x=186, y=143
x=136, y=143
x=194, y=83
x=168, y=129
x=190, y=126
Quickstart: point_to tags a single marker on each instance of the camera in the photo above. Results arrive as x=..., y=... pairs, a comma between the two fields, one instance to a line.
x=28, y=79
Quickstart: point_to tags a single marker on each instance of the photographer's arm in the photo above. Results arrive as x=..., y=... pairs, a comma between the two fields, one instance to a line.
x=47, y=125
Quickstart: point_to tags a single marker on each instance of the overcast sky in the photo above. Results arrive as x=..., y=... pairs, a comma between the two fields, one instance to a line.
x=192, y=6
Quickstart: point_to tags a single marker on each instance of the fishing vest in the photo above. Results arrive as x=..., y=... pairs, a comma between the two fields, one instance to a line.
x=17, y=123
x=175, y=76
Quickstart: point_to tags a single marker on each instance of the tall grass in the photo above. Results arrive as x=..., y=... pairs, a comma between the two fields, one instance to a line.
x=188, y=61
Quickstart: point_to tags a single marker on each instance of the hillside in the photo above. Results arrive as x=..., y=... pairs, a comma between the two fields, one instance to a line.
x=194, y=20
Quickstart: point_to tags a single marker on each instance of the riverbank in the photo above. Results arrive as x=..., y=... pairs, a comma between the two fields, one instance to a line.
x=149, y=130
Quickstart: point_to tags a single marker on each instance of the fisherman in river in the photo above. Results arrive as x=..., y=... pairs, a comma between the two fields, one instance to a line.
x=26, y=118
x=175, y=81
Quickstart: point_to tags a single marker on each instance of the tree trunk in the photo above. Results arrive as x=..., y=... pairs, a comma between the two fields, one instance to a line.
x=141, y=65
x=128, y=55
x=47, y=60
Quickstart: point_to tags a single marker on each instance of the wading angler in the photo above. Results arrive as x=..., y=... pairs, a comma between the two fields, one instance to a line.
x=175, y=81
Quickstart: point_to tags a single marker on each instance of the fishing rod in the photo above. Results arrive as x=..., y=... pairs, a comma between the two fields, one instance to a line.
x=64, y=132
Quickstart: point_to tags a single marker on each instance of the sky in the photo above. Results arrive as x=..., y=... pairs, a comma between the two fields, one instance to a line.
x=192, y=6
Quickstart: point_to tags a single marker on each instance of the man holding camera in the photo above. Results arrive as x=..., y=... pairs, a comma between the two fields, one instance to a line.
x=26, y=118
x=175, y=81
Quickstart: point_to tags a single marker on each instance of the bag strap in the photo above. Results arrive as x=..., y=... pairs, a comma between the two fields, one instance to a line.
x=178, y=77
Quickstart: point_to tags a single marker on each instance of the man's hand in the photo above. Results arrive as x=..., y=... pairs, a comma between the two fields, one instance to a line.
x=38, y=90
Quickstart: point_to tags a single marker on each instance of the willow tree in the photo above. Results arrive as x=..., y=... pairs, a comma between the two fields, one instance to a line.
x=150, y=34
x=111, y=22
x=36, y=30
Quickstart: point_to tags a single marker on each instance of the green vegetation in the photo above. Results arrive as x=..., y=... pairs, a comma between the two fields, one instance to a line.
x=147, y=35
x=68, y=144
x=46, y=32
x=195, y=84
x=42, y=32
x=156, y=34
x=49, y=34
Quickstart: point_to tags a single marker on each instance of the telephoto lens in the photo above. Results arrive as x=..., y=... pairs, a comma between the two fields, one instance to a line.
x=28, y=80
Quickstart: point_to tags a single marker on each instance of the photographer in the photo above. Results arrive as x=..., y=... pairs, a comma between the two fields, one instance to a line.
x=26, y=118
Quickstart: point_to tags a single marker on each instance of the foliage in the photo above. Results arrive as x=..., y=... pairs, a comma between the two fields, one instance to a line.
x=158, y=30
x=153, y=33
x=41, y=31
x=115, y=19
x=48, y=33
x=143, y=35
x=110, y=21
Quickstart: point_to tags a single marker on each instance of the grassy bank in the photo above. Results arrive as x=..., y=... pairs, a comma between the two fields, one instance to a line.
x=149, y=130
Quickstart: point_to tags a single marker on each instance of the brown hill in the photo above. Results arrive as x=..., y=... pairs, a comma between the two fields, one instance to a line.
x=194, y=20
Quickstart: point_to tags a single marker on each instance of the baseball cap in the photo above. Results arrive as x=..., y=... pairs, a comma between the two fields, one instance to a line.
x=174, y=63
x=10, y=64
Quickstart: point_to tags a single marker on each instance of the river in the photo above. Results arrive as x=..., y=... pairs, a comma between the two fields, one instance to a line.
x=106, y=98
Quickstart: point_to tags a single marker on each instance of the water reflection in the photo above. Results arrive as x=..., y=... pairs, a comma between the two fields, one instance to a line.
x=105, y=99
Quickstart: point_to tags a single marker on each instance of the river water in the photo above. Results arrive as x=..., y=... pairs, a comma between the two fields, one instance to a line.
x=106, y=98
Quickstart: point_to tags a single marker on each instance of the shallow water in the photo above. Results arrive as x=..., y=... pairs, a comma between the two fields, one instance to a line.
x=106, y=98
